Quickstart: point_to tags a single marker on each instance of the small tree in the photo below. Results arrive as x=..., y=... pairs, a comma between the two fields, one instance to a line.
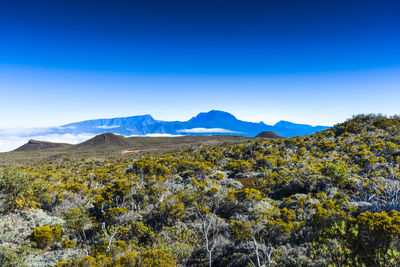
x=209, y=197
x=250, y=234
x=77, y=221
x=209, y=230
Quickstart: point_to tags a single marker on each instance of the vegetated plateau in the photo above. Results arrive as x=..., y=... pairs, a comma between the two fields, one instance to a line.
x=327, y=199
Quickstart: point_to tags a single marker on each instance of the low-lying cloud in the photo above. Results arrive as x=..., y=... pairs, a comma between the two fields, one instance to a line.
x=207, y=130
x=11, y=139
x=24, y=131
x=163, y=135
x=156, y=135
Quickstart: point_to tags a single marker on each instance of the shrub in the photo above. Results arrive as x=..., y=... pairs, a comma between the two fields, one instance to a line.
x=377, y=233
x=61, y=263
x=99, y=260
x=152, y=258
x=66, y=243
x=45, y=236
x=238, y=166
x=21, y=191
x=338, y=173
x=130, y=258
x=77, y=220
x=241, y=230
x=9, y=257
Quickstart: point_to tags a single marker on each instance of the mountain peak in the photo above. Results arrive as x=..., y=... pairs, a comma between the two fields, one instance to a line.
x=283, y=124
x=268, y=134
x=145, y=116
x=105, y=139
x=213, y=115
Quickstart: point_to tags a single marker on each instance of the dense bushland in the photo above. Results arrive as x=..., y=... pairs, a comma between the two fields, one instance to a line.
x=328, y=199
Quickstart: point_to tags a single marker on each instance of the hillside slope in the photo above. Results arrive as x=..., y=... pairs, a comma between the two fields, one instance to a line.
x=107, y=140
x=327, y=199
x=34, y=145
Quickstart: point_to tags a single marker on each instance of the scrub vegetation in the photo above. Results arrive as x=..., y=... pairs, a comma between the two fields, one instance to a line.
x=328, y=199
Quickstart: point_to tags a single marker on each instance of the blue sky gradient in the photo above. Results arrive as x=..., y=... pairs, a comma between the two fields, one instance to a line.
x=315, y=62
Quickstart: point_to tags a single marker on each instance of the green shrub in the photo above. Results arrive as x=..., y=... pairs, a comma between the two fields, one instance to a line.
x=9, y=257
x=158, y=257
x=338, y=173
x=45, y=236
x=66, y=243
x=21, y=191
x=61, y=263
x=130, y=258
x=238, y=166
x=76, y=221
x=378, y=234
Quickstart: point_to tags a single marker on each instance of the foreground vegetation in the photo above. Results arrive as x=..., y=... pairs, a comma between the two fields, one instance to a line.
x=329, y=199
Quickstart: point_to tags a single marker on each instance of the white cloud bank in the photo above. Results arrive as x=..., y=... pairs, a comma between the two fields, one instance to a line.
x=163, y=135
x=207, y=130
x=23, y=131
x=156, y=135
x=11, y=139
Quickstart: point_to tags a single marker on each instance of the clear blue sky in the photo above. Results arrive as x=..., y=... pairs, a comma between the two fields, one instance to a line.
x=315, y=62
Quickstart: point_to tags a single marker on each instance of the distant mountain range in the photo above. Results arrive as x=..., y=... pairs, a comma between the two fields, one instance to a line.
x=206, y=123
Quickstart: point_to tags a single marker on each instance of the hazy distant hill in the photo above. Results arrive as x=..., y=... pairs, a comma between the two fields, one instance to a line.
x=104, y=140
x=206, y=123
x=268, y=134
x=33, y=145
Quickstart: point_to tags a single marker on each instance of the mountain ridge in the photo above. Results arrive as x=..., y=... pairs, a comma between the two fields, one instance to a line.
x=33, y=145
x=205, y=123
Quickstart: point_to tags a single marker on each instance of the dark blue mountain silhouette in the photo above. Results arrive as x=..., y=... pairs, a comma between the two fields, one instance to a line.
x=212, y=122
